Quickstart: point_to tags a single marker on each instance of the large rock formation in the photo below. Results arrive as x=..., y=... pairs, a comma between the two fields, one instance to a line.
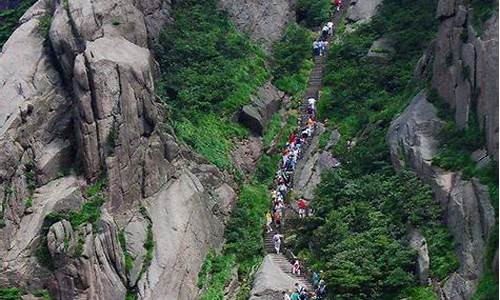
x=95, y=104
x=263, y=106
x=463, y=67
x=361, y=11
x=265, y=21
x=467, y=209
x=270, y=281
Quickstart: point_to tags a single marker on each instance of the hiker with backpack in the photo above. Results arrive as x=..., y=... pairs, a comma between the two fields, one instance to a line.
x=321, y=290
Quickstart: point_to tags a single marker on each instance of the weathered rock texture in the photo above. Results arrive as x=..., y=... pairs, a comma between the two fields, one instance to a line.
x=463, y=68
x=468, y=212
x=264, y=20
x=270, y=281
x=264, y=105
x=86, y=94
x=315, y=161
x=361, y=11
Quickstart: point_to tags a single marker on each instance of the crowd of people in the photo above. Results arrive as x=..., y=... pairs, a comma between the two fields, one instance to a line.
x=290, y=156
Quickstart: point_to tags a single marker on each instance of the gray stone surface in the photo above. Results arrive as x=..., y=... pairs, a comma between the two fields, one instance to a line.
x=264, y=104
x=381, y=50
x=412, y=139
x=270, y=281
x=465, y=66
x=264, y=21
x=419, y=244
x=99, y=100
x=361, y=11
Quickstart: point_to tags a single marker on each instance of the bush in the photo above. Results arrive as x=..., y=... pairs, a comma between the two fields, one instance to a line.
x=208, y=71
x=292, y=60
x=9, y=19
x=244, y=243
x=359, y=233
x=363, y=211
x=10, y=294
x=313, y=13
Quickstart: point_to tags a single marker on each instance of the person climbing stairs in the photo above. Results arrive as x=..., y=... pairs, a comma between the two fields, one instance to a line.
x=285, y=258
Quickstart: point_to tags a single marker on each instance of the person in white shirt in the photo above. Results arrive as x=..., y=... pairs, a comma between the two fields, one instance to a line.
x=311, y=102
x=330, y=27
x=324, y=31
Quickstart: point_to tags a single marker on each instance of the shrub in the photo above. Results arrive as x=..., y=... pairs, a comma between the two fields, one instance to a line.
x=244, y=243
x=313, y=13
x=9, y=19
x=208, y=71
x=11, y=294
x=292, y=60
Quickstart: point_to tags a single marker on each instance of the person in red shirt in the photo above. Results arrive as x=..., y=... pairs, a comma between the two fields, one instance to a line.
x=292, y=138
x=338, y=3
x=302, y=204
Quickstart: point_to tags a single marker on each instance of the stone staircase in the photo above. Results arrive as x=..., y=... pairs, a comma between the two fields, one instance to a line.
x=314, y=86
x=283, y=262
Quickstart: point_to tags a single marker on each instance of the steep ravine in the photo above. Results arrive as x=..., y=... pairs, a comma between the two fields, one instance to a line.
x=78, y=106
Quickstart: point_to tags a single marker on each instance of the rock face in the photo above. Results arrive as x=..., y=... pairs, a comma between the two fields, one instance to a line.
x=270, y=281
x=265, y=104
x=97, y=106
x=466, y=204
x=264, y=20
x=419, y=244
x=361, y=11
x=381, y=50
x=315, y=161
x=463, y=68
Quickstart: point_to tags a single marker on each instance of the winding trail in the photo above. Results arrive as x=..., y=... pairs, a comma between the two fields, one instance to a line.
x=284, y=261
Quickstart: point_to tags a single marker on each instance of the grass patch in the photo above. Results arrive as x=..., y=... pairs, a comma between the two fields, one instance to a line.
x=244, y=247
x=272, y=130
x=419, y=293
x=11, y=294
x=129, y=261
x=44, y=25
x=313, y=13
x=90, y=212
x=208, y=71
x=292, y=60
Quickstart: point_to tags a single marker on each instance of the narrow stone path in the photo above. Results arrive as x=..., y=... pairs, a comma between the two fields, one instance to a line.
x=313, y=88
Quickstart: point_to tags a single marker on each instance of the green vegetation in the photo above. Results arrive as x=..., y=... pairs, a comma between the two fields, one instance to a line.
x=364, y=212
x=44, y=25
x=209, y=71
x=419, y=293
x=482, y=11
x=111, y=139
x=30, y=178
x=129, y=261
x=244, y=246
x=11, y=294
x=44, y=294
x=293, y=60
x=9, y=19
x=16, y=294
x=359, y=233
x=90, y=212
x=313, y=13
